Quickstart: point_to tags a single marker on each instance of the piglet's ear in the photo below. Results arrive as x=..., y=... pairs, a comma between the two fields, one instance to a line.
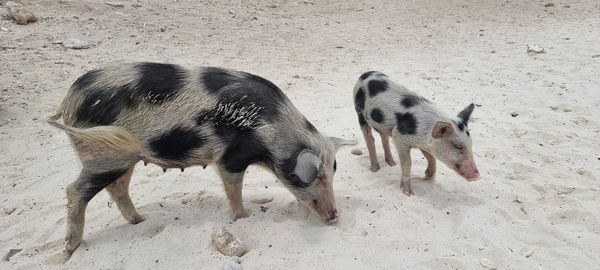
x=466, y=113
x=442, y=130
x=339, y=142
x=307, y=168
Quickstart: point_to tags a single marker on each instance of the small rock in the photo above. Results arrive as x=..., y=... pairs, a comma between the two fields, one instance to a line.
x=261, y=199
x=11, y=252
x=487, y=263
x=227, y=244
x=528, y=253
x=514, y=114
x=356, y=151
x=9, y=211
x=535, y=49
x=549, y=5
x=20, y=13
x=115, y=4
x=76, y=44
x=595, y=55
x=233, y=263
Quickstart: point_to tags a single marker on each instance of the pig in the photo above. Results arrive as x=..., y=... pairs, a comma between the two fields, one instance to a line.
x=175, y=117
x=413, y=122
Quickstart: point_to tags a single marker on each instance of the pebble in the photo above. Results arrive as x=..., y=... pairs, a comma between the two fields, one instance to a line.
x=534, y=49
x=549, y=5
x=487, y=263
x=227, y=244
x=356, y=151
x=115, y=4
x=261, y=199
x=514, y=114
x=233, y=263
x=20, y=13
x=76, y=44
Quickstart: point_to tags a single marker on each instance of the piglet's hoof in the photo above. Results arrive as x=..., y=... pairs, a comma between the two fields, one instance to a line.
x=391, y=162
x=375, y=168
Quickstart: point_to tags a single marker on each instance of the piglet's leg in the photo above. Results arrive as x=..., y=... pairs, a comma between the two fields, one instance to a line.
x=431, y=166
x=233, y=183
x=368, y=134
x=385, y=141
x=405, y=164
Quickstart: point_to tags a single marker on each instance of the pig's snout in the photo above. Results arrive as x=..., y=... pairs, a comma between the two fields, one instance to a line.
x=332, y=218
x=468, y=170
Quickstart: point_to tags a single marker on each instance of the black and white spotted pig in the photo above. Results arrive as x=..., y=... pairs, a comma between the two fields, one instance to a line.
x=412, y=122
x=174, y=117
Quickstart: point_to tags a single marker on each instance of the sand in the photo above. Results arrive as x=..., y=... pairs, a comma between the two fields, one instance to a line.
x=536, y=134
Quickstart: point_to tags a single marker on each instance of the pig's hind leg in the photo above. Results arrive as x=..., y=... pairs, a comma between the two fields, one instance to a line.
x=96, y=174
x=119, y=192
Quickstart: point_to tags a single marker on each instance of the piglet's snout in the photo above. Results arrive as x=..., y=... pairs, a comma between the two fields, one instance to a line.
x=469, y=171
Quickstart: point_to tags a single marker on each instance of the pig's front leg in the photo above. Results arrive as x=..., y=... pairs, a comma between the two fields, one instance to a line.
x=368, y=134
x=233, y=183
x=405, y=163
x=431, y=165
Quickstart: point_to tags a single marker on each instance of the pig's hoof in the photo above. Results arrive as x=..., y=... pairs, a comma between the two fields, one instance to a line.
x=71, y=245
x=391, y=162
x=242, y=214
x=375, y=168
x=429, y=175
x=407, y=191
x=135, y=219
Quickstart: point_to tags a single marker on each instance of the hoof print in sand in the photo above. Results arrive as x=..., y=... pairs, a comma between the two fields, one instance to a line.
x=227, y=244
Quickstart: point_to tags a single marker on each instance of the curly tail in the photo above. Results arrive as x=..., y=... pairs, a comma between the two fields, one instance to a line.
x=111, y=137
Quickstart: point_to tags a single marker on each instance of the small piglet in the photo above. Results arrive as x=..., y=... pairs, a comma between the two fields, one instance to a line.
x=412, y=122
x=175, y=117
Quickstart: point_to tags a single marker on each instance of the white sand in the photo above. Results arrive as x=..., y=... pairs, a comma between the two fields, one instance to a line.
x=537, y=205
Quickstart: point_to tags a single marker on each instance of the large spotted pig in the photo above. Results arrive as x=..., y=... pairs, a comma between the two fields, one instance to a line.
x=412, y=122
x=164, y=114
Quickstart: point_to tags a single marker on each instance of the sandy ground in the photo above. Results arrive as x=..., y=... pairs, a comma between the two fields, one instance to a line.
x=537, y=205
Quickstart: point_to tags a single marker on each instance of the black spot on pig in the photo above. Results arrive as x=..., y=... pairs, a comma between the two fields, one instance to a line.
x=377, y=115
x=376, y=87
x=310, y=127
x=359, y=106
x=406, y=123
x=366, y=75
x=262, y=80
x=410, y=101
x=176, y=144
x=468, y=134
x=92, y=183
x=159, y=82
x=216, y=78
x=102, y=106
x=243, y=149
x=359, y=100
x=86, y=80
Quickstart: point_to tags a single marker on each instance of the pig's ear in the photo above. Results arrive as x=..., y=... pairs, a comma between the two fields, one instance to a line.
x=339, y=142
x=307, y=168
x=466, y=113
x=442, y=130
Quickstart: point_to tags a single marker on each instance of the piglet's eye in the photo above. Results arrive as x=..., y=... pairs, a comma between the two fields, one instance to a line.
x=458, y=146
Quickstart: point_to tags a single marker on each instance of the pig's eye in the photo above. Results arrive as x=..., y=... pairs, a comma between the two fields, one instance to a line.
x=458, y=146
x=334, y=165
